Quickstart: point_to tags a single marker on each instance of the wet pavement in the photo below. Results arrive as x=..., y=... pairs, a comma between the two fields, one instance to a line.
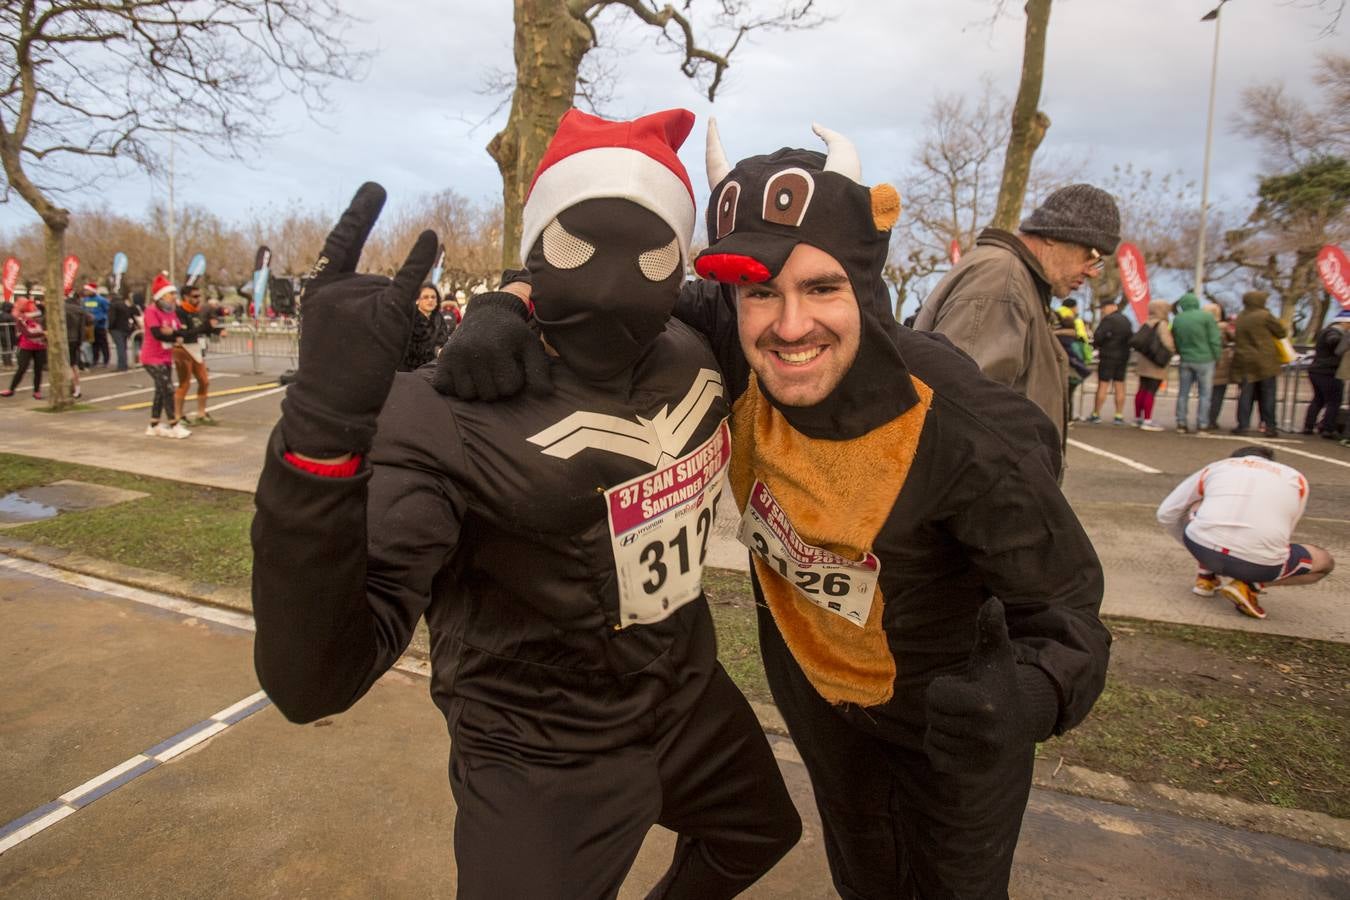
x=239, y=803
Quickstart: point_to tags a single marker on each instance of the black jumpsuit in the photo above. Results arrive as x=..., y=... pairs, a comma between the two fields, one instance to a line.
x=570, y=735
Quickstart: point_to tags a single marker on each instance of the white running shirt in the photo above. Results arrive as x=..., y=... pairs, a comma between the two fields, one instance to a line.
x=1246, y=507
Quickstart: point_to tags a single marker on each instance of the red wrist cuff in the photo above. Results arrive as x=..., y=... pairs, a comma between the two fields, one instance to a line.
x=326, y=470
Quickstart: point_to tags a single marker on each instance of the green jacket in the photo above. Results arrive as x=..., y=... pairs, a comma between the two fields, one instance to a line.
x=1195, y=332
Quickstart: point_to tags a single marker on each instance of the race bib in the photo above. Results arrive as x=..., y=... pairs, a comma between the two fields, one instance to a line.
x=659, y=525
x=843, y=586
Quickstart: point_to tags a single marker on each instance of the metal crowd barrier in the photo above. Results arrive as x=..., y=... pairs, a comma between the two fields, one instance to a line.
x=258, y=339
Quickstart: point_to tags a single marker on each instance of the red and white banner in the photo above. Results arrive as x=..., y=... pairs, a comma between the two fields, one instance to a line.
x=954, y=251
x=70, y=267
x=1133, y=279
x=1334, y=268
x=9, y=277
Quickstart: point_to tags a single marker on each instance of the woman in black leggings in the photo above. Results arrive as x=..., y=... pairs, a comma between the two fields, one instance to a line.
x=32, y=347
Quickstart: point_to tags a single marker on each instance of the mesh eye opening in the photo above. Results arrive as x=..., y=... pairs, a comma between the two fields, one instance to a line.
x=564, y=250
x=659, y=264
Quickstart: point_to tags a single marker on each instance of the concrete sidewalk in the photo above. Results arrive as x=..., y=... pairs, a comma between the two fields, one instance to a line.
x=359, y=806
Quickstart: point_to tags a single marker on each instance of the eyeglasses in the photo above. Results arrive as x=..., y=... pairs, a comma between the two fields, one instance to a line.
x=1096, y=264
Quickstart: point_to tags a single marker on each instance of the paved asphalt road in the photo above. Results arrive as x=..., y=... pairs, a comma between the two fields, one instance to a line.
x=214, y=794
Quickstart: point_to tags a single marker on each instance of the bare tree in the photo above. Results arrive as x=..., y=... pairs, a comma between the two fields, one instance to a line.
x=84, y=84
x=552, y=39
x=1304, y=202
x=1028, y=124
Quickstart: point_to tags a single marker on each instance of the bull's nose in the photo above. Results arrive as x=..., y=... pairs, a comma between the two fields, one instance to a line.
x=731, y=267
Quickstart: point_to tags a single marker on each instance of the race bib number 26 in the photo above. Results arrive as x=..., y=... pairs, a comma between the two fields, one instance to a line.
x=659, y=524
x=835, y=583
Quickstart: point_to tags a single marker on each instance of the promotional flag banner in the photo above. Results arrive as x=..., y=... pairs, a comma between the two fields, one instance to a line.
x=954, y=251
x=436, y=270
x=261, y=270
x=119, y=269
x=1334, y=268
x=9, y=277
x=1133, y=279
x=70, y=267
x=196, y=268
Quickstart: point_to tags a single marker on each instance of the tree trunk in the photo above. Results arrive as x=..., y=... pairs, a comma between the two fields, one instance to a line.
x=549, y=45
x=58, y=356
x=1028, y=123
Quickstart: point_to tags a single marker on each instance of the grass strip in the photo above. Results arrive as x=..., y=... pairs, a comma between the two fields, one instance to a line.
x=1257, y=716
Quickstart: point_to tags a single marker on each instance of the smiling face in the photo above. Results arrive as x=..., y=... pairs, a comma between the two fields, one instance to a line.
x=800, y=330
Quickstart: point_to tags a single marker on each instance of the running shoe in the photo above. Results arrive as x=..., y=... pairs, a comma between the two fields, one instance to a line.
x=152, y=431
x=1119, y=420
x=6, y=393
x=1206, y=583
x=1149, y=426
x=178, y=432
x=204, y=419
x=1244, y=597
x=162, y=430
x=1182, y=429
x=1094, y=419
x=37, y=395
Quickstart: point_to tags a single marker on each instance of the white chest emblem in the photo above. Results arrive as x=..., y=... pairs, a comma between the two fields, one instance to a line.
x=653, y=441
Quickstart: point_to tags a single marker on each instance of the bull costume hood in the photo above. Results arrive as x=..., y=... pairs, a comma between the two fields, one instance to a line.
x=764, y=207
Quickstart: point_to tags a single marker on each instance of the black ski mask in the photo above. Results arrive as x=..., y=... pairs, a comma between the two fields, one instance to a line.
x=605, y=276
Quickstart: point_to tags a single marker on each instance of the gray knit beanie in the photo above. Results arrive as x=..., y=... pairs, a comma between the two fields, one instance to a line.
x=1080, y=214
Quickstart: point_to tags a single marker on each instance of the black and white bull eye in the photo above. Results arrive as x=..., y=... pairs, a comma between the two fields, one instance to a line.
x=564, y=250
x=659, y=264
x=726, y=208
x=787, y=196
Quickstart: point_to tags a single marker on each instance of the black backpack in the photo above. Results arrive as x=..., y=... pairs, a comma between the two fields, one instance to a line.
x=1150, y=346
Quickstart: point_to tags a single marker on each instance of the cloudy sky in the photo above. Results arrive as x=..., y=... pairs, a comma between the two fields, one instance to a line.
x=1124, y=82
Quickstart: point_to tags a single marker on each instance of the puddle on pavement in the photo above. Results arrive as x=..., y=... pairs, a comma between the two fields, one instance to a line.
x=33, y=504
x=16, y=510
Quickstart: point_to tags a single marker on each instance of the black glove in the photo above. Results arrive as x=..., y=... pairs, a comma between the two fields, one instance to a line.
x=355, y=331
x=493, y=353
x=999, y=706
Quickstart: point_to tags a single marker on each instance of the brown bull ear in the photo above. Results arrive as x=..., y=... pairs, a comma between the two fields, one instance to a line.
x=885, y=206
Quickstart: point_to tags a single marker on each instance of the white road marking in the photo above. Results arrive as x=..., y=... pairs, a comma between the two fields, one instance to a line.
x=1124, y=460
x=216, y=406
x=1282, y=446
x=214, y=375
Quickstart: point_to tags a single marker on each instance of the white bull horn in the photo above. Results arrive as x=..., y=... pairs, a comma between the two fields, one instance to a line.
x=842, y=156
x=716, y=157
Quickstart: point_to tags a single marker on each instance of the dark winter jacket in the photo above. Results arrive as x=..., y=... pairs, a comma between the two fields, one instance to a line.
x=1255, y=357
x=122, y=317
x=491, y=521
x=429, y=334
x=1327, y=351
x=1112, y=337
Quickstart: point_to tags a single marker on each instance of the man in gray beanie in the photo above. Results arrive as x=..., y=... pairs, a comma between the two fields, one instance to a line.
x=995, y=303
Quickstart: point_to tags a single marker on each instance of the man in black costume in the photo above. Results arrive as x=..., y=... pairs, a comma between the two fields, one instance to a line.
x=554, y=544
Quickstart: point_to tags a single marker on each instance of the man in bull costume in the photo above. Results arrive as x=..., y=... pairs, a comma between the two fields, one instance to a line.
x=554, y=544
x=928, y=600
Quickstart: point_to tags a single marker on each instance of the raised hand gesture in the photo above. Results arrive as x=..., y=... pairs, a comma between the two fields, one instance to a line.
x=356, y=328
x=998, y=707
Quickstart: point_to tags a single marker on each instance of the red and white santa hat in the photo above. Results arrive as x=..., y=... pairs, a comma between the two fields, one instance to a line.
x=161, y=286
x=590, y=157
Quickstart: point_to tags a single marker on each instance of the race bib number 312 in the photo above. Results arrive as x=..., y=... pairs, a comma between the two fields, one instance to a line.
x=659, y=524
x=835, y=583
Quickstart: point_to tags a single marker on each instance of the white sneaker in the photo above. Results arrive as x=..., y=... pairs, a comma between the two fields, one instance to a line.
x=153, y=430
x=162, y=430
x=1149, y=426
x=178, y=431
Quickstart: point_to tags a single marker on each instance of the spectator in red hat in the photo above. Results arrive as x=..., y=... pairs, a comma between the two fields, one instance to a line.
x=32, y=343
x=162, y=332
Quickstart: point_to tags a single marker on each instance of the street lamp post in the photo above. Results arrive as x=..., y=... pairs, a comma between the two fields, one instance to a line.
x=1213, y=15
